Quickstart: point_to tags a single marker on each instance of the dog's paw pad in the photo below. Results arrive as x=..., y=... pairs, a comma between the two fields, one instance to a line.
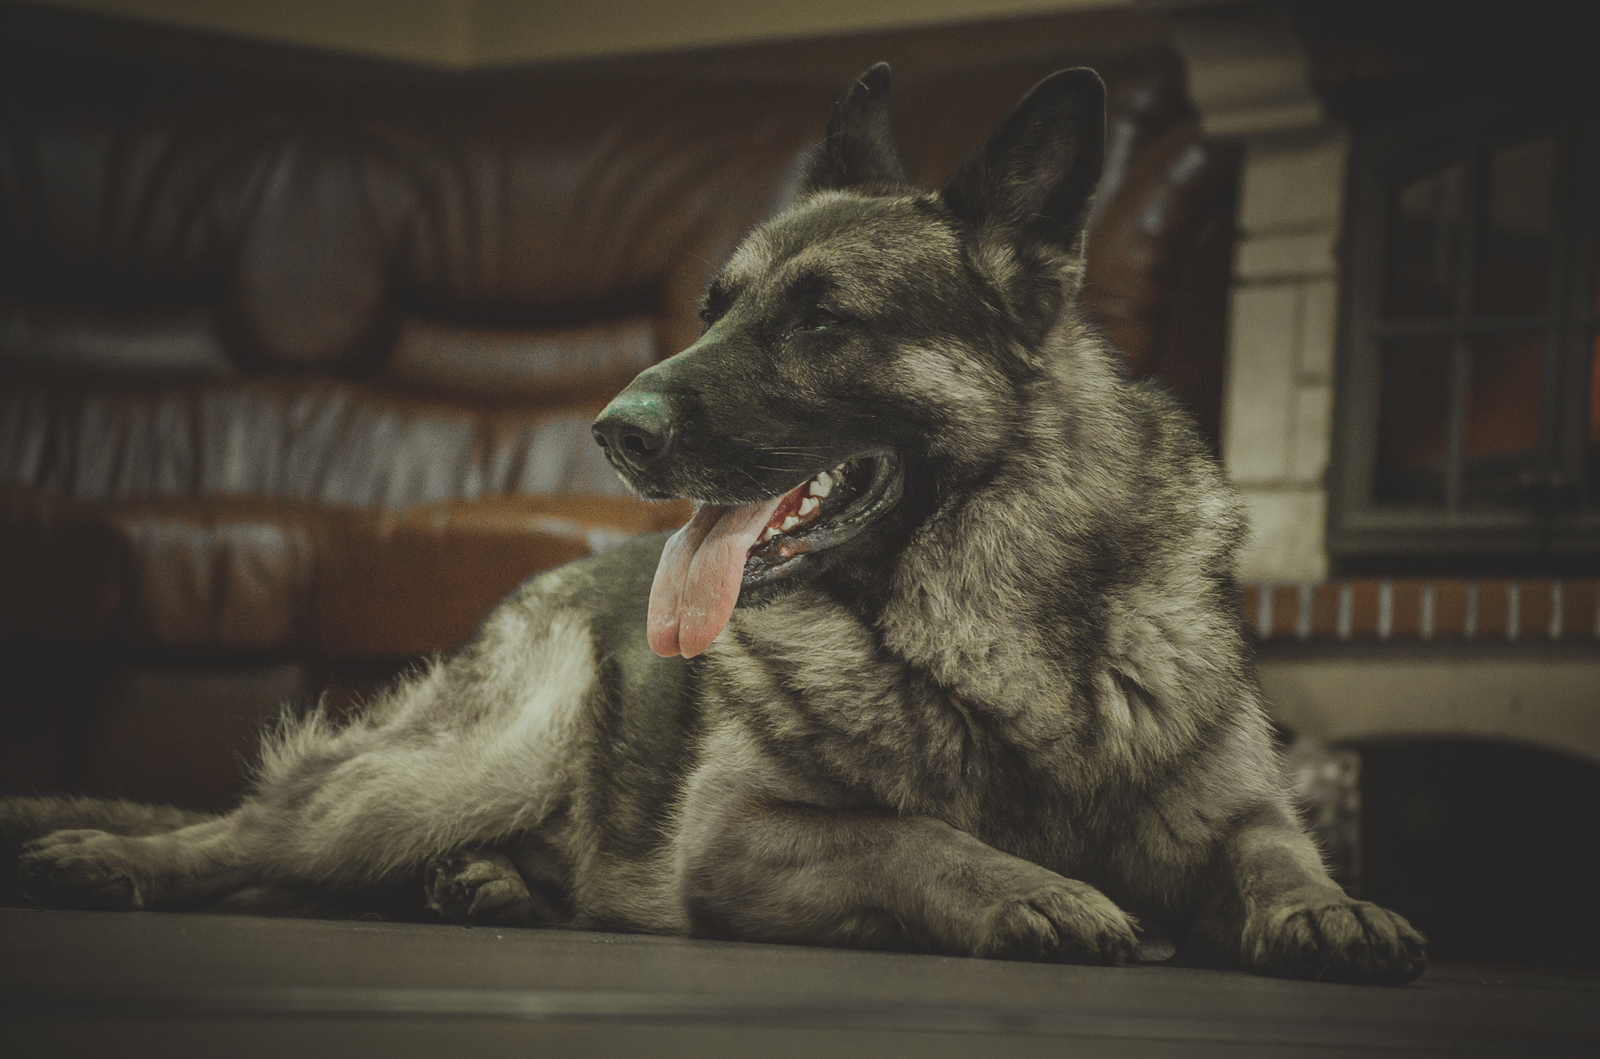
x=1064, y=922
x=470, y=886
x=1326, y=936
x=78, y=869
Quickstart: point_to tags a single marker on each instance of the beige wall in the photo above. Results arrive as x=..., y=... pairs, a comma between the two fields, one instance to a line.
x=468, y=33
x=1547, y=703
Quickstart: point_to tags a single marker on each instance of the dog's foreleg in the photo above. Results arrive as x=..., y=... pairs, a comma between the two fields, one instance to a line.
x=1278, y=913
x=757, y=865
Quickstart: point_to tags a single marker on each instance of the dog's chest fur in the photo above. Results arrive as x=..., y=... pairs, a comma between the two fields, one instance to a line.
x=1043, y=776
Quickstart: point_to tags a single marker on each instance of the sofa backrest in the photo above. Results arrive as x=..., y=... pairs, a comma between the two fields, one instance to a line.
x=415, y=286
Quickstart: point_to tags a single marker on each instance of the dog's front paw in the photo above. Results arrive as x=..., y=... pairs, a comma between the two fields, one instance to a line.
x=79, y=869
x=1064, y=921
x=1320, y=934
x=479, y=887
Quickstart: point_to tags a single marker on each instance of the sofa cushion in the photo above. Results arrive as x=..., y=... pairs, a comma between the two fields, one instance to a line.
x=261, y=575
x=232, y=576
x=409, y=583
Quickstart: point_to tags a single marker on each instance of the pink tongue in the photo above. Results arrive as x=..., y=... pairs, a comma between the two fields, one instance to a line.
x=697, y=583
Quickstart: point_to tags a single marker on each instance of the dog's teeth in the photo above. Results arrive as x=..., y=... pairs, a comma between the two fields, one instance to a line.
x=789, y=523
x=823, y=484
x=808, y=505
x=771, y=533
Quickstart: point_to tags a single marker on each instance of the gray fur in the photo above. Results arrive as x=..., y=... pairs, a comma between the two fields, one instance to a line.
x=1012, y=715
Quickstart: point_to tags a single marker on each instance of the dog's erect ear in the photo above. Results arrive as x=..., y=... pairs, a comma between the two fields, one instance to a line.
x=1031, y=180
x=859, y=150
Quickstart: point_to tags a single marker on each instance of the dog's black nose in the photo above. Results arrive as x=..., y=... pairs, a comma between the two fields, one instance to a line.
x=636, y=429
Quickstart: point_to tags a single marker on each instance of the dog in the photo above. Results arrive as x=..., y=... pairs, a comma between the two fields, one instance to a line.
x=947, y=659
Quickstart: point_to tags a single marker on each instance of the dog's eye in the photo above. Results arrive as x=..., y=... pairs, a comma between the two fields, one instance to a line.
x=817, y=320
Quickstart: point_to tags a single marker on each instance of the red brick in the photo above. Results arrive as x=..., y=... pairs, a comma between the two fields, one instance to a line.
x=1449, y=608
x=1493, y=598
x=1407, y=612
x=1364, y=607
x=1285, y=611
x=1578, y=610
x=1536, y=610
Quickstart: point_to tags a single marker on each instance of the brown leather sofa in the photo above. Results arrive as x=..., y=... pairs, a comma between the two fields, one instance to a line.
x=298, y=355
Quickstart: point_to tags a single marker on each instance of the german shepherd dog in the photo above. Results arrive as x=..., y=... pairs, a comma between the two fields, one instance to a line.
x=947, y=659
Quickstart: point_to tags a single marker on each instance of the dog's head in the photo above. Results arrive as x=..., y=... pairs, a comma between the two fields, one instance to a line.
x=869, y=343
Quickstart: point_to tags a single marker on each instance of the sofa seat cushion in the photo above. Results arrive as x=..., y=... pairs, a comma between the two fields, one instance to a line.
x=258, y=574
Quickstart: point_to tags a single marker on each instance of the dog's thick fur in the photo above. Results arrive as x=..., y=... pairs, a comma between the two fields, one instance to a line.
x=1001, y=706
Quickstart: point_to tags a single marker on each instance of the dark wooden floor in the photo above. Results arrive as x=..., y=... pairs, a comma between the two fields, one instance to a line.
x=151, y=984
